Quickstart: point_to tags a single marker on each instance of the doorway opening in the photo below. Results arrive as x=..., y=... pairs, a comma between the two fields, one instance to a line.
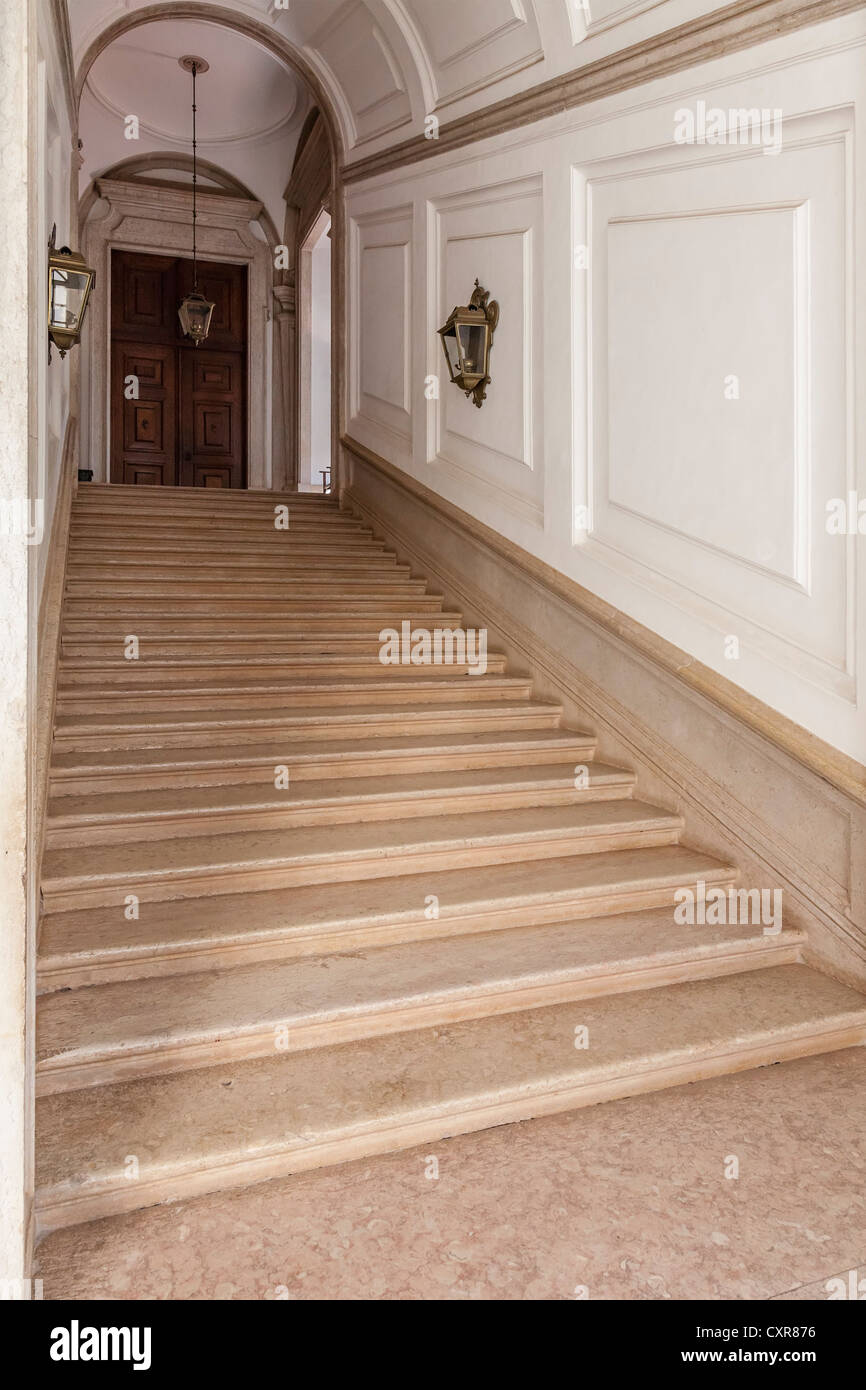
x=315, y=354
x=178, y=412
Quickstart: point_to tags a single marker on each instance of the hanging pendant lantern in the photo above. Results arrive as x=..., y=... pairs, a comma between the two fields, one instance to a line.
x=195, y=314
x=195, y=311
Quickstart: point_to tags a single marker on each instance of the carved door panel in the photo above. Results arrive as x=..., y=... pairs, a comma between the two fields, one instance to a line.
x=144, y=414
x=178, y=413
x=212, y=444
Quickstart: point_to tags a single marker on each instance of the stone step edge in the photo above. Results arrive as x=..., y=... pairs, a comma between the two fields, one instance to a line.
x=107, y=890
x=74, y=970
x=222, y=1046
x=233, y=768
x=66, y=1204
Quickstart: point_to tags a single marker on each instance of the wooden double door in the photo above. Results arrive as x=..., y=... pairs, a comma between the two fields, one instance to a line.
x=178, y=413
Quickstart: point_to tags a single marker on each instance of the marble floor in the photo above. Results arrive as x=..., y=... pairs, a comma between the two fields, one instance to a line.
x=635, y=1199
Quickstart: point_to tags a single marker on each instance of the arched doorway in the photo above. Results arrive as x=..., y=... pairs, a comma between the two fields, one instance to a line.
x=271, y=385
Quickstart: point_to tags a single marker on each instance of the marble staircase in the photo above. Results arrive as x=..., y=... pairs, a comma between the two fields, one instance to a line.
x=301, y=907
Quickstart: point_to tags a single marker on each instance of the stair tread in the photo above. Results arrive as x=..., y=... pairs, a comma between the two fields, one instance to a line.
x=297, y=714
x=487, y=891
x=153, y=1015
x=111, y=807
x=377, y=840
x=80, y=632
x=207, y=663
x=312, y=753
x=204, y=1123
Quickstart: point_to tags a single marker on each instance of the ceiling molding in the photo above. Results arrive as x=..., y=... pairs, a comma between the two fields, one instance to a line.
x=737, y=26
x=178, y=138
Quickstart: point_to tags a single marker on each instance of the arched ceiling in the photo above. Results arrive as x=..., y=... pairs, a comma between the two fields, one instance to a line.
x=251, y=107
x=249, y=95
x=387, y=66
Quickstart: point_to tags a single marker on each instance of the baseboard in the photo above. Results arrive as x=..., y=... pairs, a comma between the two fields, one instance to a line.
x=753, y=786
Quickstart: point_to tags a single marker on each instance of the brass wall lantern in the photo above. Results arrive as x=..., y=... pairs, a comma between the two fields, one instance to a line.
x=70, y=281
x=467, y=339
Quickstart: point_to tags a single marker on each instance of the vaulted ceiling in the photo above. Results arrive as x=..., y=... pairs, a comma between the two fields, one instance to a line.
x=386, y=66
x=251, y=109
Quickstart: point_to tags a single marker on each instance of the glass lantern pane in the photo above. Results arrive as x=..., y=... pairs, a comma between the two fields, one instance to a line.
x=472, y=345
x=449, y=341
x=68, y=293
x=195, y=316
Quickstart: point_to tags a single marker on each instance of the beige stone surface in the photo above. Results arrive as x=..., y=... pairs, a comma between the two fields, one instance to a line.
x=278, y=997
x=313, y=854
x=94, y=818
x=221, y=1126
x=628, y=1200
x=101, y=943
x=143, y=1026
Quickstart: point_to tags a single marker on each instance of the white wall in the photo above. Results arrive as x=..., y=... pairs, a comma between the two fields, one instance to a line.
x=15, y=421
x=637, y=276
x=54, y=206
x=35, y=191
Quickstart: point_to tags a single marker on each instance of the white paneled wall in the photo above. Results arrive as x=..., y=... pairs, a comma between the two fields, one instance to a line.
x=676, y=375
x=497, y=452
x=380, y=383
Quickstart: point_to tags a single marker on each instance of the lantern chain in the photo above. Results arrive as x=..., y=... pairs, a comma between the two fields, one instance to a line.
x=194, y=184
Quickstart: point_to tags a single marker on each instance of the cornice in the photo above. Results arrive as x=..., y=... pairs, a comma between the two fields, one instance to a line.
x=727, y=30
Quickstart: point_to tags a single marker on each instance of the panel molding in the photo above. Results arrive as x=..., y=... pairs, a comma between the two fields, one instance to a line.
x=799, y=579
x=620, y=15
x=449, y=448
x=390, y=229
x=617, y=544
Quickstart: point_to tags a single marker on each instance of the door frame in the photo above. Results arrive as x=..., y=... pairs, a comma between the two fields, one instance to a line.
x=305, y=342
x=157, y=221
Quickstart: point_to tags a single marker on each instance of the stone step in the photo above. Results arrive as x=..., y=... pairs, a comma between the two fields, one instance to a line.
x=282, y=545
x=241, y=527
x=178, y=628
x=100, y=945
x=335, y=716
x=117, y=771
x=249, y=568
x=390, y=608
x=389, y=584
x=245, y=647
x=108, y=1033
x=311, y=624
x=225, y=514
x=158, y=813
x=242, y=672
x=157, y=870
x=121, y=499
x=276, y=694
x=222, y=1126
